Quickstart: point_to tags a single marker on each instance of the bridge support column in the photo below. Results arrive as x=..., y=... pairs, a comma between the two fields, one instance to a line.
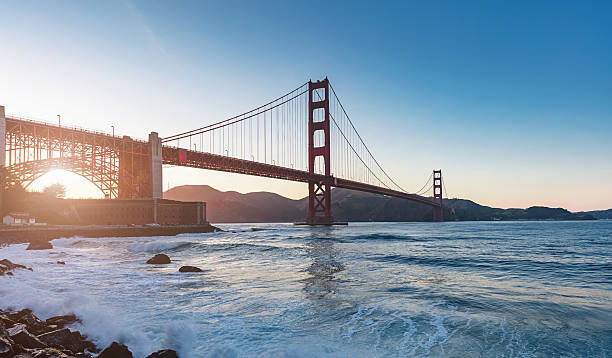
x=2, y=157
x=319, y=192
x=156, y=165
x=438, y=211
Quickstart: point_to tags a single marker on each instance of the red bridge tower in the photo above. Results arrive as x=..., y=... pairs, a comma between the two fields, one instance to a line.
x=319, y=192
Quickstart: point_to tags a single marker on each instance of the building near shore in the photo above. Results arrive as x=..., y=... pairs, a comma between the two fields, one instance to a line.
x=135, y=211
x=18, y=219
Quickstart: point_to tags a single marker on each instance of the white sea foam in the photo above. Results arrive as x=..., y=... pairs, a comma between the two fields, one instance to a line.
x=156, y=246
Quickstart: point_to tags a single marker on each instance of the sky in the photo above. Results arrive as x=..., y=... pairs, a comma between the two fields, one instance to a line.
x=512, y=100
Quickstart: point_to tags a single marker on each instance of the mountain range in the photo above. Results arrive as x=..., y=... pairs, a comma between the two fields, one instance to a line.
x=349, y=205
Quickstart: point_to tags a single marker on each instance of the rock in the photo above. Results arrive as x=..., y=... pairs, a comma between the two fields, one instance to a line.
x=6, y=346
x=159, y=259
x=20, y=335
x=190, y=269
x=7, y=266
x=62, y=338
x=116, y=350
x=6, y=321
x=49, y=353
x=28, y=318
x=164, y=353
x=62, y=321
x=61, y=263
x=39, y=245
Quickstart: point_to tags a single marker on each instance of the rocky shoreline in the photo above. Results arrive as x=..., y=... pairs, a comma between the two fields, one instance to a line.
x=24, y=335
x=41, y=236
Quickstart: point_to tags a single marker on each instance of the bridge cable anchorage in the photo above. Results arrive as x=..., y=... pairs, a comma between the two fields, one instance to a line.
x=201, y=129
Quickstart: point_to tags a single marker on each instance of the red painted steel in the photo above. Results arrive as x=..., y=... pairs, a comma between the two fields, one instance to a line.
x=119, y=167
x=437, y=194
x=319, y=191
x=241, y=166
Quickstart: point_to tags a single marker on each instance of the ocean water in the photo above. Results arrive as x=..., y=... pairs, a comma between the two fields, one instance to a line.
x=486, y=289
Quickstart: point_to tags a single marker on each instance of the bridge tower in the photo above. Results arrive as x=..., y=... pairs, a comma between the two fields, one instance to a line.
x=319, y=192
x=438, y=211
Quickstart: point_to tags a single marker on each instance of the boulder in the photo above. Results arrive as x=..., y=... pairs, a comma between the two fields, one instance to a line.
x=164, y=353
x=33, y=323
x=61, y=263
x=6, y=266
x=62, y=321
x=190, y=269
x=20, y=335
x=116, y=350
x=62, y=338
x=39, y=245
x=159, y=259
x=6, y=346
x=6, y=321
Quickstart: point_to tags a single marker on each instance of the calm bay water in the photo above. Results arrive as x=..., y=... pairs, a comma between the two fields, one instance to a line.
x=491, y=289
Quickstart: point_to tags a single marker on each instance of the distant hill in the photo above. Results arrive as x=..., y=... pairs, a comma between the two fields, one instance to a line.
x=348, y=205
x=599, y=214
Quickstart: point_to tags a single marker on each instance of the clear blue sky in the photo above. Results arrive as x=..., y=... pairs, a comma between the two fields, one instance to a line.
x=513, y=100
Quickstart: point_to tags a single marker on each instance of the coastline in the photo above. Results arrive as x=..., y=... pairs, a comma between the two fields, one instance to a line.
x=38, y=234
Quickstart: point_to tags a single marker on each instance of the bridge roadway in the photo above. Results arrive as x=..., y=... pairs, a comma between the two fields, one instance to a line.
x=189, y=158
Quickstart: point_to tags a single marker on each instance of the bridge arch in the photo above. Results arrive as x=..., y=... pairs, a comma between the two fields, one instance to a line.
x=103, y=175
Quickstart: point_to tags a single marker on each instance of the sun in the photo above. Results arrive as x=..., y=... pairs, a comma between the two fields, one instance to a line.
x=76, y=185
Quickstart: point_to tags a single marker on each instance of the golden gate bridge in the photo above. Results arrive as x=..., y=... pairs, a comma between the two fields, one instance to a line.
x=305, y=135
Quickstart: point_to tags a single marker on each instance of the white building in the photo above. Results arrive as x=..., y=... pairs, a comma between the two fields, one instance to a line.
x=18, y=219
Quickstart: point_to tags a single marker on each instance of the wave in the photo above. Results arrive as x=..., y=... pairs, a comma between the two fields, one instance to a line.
x=158, y=246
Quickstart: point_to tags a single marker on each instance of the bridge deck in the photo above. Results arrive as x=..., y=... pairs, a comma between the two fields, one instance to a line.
x=194, y=159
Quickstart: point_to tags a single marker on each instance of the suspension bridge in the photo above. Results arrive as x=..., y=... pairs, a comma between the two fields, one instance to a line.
x=305, y=135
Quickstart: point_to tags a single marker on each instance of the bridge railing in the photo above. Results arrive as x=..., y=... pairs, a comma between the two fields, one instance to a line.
x=68, y=127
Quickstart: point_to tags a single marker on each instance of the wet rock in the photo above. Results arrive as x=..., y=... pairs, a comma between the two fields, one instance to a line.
x=6, y=266
x=33, y=323
x=50, y=353
x=62, y=321
x=164, y=353
x=257, y=229
x=20, y=335
x=159, y=259
x=61, y=263
x=5, y=321
x=190, y=269
x=39, y=245
x=6, y=346
x=62, y=338
x=116, y=350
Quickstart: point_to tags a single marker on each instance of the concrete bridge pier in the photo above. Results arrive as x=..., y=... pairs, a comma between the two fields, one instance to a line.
x=2, y=155
x=156, y=166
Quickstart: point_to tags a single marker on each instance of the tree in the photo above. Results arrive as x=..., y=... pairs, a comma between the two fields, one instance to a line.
x=56, y=190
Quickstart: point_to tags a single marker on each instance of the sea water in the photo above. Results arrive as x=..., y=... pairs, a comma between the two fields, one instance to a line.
x=469, y=289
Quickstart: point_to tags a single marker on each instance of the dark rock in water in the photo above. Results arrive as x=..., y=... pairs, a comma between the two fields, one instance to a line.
x=38, y=245
x=164, y=353
x=257, y=229
x=62, y=321
x=159, y=259
x=116, y=350
x=62, y=338
x=190, y=269
x=84, y=343
x=20, y=335
x=61, y=263
x=33, y=323
x=7, y=266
